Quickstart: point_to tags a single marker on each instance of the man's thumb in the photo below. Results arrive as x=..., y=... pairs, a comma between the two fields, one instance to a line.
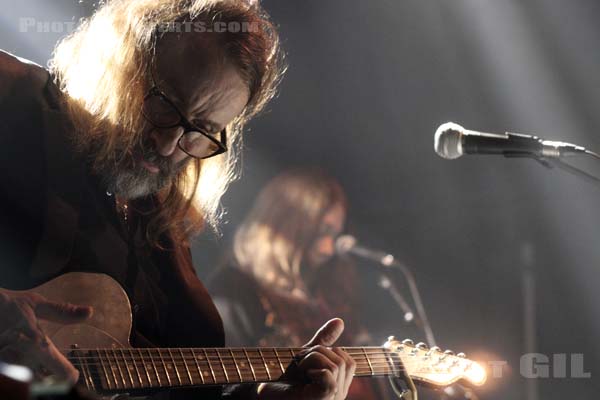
x=65, y=313
x=328, y=334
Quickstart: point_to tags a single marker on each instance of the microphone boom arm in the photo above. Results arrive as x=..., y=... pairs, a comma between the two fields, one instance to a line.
x=389, y=261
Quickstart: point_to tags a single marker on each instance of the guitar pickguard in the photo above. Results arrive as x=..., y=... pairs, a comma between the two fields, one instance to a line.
x=110, y=324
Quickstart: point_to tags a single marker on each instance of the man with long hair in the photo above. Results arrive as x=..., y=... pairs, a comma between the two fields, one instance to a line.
x=114, y=157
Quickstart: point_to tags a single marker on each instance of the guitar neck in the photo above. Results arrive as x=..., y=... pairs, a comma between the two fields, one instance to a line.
x=116, y=370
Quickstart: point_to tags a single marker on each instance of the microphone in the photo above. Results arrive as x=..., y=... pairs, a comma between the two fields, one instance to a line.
x=347, y=244
x=452, y=141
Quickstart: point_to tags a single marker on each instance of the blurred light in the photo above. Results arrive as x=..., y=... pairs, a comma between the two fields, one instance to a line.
x=16, y=372
x=476, y=374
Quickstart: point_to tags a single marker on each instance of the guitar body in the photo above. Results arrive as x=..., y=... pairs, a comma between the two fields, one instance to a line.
x=110, y=324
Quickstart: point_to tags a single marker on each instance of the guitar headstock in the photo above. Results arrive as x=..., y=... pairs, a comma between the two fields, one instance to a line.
x=434, y=366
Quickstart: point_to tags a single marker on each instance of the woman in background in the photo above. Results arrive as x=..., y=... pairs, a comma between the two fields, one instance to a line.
x=268, y=291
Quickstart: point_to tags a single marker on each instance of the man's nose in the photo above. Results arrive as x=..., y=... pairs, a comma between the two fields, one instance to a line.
x=165, y=140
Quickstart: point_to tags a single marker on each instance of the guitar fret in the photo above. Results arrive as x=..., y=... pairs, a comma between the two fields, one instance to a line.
x=250, y=364
x=368, y=361
x=141, y=355
x=154, y=367
x=126, y=367
x=222, y=366
x=197, y=365
x=272, y=364
x=175, y=366
x=279, y=361
x=103, y=369
x=135, y=367
x=212, y=371
x=186, y=367
x=112, y=368
x=124, y=384
x=236, y=365
x=82, y=369
x=165, y=367
x=265, y=364
x=86, y=373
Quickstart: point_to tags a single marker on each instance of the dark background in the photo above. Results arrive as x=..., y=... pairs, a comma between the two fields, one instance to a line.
x=368, y=84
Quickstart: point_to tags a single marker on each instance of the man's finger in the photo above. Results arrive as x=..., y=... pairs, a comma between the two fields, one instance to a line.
x=350, y=368
x=46, y=357
x=322, y=384
x=57, y=364
x=318, y=361
x=64, y=313
x=328, y=334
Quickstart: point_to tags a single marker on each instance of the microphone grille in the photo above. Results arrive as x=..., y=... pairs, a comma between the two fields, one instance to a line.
x=447, y=141
x=344, y=244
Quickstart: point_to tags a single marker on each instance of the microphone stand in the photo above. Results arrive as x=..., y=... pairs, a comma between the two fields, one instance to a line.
x=388, y=260
x=386, y=283
x=575, y=171
x=560, y=164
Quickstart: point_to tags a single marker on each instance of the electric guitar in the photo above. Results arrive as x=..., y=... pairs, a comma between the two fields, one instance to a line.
x=99, y=348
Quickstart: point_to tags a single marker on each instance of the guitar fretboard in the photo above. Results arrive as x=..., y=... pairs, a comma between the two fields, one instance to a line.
x=115, y=370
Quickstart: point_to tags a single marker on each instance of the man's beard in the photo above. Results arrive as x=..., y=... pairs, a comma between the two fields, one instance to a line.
x=129, y=179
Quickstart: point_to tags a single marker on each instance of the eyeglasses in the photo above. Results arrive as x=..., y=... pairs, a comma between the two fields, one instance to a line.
x=163, y=113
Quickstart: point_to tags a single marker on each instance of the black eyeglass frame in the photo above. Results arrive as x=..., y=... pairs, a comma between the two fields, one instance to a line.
x=183, y=122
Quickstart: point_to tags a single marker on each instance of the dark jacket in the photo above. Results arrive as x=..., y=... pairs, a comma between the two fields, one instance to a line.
x=42, y=183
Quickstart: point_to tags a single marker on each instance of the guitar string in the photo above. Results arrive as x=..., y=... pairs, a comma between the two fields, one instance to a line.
x=222, y=357
x=222, y=378
x=362, y=369
x=242, y=359
x=234, y=362
x=230, y=365
x=395, y=366
x=244, y=353
x=150, y=352
x=123, y=384
x=236, y=349
x=228, y=361
x=375, y=363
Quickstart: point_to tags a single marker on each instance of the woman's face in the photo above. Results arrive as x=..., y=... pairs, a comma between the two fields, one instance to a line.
x=323, y=247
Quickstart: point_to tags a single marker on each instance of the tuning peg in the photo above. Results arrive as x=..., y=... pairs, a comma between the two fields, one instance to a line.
x=461, y=355
x=422, y=346
x=432, y=350
x=449, y=353
x=408, y=342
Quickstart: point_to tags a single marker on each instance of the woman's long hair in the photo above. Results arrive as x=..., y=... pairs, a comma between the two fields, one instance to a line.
x=282, y=225
x=102, y=68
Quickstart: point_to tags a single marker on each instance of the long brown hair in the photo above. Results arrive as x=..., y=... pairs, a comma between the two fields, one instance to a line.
x=271, y=242
x=102, y=68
